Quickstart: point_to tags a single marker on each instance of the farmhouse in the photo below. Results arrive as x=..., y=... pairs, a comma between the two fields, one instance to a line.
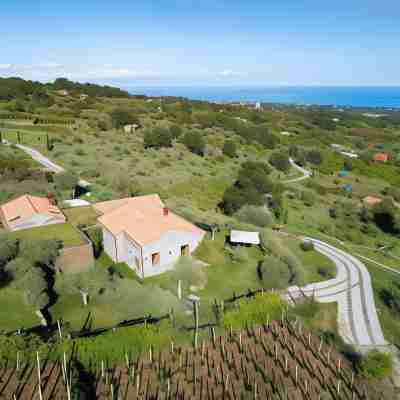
x=371, y=200
x=146, y=235
x=380, y=157
x=28, y=212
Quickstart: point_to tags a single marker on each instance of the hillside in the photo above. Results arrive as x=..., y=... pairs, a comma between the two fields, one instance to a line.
x=221, y=166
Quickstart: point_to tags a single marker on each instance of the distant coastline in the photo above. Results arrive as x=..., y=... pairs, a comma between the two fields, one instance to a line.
x=339, y=96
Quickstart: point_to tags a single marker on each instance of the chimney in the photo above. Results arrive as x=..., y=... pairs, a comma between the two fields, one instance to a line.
x=165, y=211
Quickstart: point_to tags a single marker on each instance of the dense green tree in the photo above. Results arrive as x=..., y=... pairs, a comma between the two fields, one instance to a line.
x=250, y=187
x=176, y=131
x=280, y=160
x=18, y=268
x=40, y=252
x=195, y=142
x=229, y=148
x=234, y=198
x=40, y=98
x=255, y=215
x=121, y=117
x=274, y=273
x=386, y=216
x=314, y=157
x=157, y=137
x=8, y=250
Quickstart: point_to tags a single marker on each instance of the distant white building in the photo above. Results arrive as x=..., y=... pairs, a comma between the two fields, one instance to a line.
x=131, y=128
x=285, y=133
x=349, y=154
x=258, y=105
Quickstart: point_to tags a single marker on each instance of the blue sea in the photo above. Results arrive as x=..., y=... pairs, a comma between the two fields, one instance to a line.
x=375, y=97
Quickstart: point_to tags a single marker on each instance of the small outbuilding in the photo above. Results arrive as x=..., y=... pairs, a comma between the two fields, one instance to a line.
x=371, y=200
x=244, y=237
x=131, y=128
x=380, y=157
x=28, y=212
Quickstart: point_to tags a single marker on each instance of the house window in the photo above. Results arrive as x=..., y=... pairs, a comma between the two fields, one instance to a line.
x=185, y=250
x=155, y=259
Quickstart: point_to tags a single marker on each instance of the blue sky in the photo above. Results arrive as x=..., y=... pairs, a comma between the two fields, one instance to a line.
x=203, y=42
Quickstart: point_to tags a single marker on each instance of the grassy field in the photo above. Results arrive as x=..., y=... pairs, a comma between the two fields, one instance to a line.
x=65, y=233
x=27, y=137
x=81, y=215
x=14, y=312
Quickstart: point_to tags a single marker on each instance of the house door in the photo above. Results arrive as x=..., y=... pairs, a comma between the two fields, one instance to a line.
x=155, y=259
x=185, y=250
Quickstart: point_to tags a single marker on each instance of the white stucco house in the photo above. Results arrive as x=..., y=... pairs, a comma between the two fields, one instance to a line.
x=28, y=212
x=144, y=234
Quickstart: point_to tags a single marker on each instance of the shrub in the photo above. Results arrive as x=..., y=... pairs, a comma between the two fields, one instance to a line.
x=308, y=198
x=326, y=272
x=229, y=148
x=175, y=131
x=376, y=365
x=8, y=250
x=280, y=161
x=314, y=157
x=307, y=246
x=258, y=216
x=195, y=142
x=157, y=138
x=274, y=273
x=121, y=117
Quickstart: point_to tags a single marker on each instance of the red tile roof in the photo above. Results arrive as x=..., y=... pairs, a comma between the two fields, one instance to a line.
x=383, y=157
x=143, y=218
x=25, y=207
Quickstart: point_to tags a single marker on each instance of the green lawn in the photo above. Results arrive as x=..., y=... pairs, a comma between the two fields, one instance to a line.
x=312, y=261
x=14, y=312
x=224, y=275
x=81, y=215
x=66, y=233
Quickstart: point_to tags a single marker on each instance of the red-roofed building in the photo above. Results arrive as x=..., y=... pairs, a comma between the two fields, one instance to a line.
x=143, y=233
x=28, y=212
x=380, y=157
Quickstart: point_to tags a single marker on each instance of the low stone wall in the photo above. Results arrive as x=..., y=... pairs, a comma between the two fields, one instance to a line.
x=75, y=259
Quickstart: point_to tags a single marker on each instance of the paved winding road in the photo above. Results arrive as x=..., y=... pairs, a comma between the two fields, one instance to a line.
x=358, y=321
x=306, y=173
x=42, y=160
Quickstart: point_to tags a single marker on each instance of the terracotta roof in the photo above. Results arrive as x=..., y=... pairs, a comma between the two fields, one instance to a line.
x=372, y=200
x=27, y=206
x=381, y=157
x=144, y=219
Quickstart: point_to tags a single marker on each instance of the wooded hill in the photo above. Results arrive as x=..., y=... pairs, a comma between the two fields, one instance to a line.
x=13, y=88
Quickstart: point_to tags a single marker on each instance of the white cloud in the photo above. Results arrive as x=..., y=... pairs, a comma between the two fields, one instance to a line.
x=5, y=66
x=115, y=73
x=49, y=65
x=227, y=73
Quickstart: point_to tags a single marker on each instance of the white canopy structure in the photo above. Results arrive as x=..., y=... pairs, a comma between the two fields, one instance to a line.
x=244, y=237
